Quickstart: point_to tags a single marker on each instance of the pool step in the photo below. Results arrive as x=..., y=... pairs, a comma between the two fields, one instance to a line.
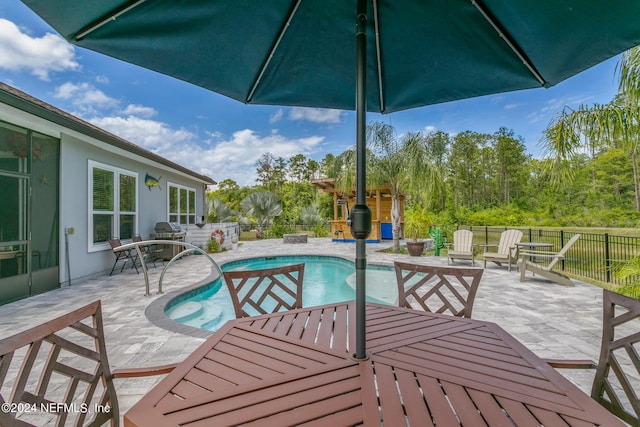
x=215, y=316
x=185, y=311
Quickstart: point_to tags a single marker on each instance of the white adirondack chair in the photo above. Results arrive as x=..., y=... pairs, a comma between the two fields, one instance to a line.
x=506, y=249
x=530, y=261
x=462, y=247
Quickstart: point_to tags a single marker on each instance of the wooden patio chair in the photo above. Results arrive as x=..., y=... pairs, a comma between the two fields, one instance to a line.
x=437, y=289
x=57, y=373
x=530, y=261
x=506, y=249
x=617, y=380
x=462, y=247
x=265, y=291
x=125, y=256
x=151, y=253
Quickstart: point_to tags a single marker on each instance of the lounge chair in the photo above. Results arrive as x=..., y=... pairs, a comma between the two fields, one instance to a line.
x=437, y=289
x=615, y=385
x=151, y=252
x=506, y=249
x=265, y=291
x=62, y=366
x=530, y=260
x=462, y=246
x=125, y=255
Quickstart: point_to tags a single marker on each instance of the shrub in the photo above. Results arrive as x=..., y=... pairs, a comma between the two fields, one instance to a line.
x=213, y=246
x=320, y=230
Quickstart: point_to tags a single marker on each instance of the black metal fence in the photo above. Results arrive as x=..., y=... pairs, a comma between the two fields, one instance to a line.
x=594, y=256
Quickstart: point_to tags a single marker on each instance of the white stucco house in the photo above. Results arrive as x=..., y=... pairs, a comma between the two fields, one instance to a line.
x=67, y=186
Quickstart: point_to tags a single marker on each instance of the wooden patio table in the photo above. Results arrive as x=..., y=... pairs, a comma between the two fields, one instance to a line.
x=423, y=369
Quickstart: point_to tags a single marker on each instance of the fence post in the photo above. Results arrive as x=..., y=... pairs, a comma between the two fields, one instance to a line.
x=607, y=262
x=486, y=235
x=562, y=245
x=530, y=235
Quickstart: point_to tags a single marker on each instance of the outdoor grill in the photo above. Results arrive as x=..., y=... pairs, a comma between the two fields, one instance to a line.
x=169, y=231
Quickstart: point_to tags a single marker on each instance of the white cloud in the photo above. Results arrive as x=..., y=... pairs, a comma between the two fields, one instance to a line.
x=235, y=158
x=150, y=134
x=213, y=135
x=139, y=111
x=554, y=106
x=219, y=158
x=38, y=55
x=84, y=96
x=276, y=117
x=429, y=129
x=316, y=115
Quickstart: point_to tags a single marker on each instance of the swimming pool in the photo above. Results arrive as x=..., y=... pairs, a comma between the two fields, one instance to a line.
x=327, y=280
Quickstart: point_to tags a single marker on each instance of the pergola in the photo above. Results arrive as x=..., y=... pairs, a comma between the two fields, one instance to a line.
x=378, y=200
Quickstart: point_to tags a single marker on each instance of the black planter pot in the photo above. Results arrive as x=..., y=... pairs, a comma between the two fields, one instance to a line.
x=415, y=248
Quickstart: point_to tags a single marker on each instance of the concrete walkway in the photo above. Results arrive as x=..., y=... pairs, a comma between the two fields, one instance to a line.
x=552, y=320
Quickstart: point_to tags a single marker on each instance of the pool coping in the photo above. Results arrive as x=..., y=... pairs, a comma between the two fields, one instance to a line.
x=155, y=312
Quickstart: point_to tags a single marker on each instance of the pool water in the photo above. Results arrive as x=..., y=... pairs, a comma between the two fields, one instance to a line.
x=326, y=280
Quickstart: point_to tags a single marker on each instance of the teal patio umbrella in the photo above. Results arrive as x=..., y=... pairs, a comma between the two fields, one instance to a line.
x=367, y=55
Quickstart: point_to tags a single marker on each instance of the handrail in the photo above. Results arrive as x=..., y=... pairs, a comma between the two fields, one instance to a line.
x=189, y=246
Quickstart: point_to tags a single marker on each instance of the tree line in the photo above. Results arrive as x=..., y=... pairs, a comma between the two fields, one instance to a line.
x=473, y=178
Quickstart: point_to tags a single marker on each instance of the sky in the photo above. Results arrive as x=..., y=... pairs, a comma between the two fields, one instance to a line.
x=223, y=138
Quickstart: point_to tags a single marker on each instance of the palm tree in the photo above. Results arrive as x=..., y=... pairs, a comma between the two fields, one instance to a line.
x=629, y=68
x=343, y=171
x=613, y=125
x=403, y=164
x=262, y=207
x=630, y=271
x=599, y=126
x=310, y=215
x=220, y=212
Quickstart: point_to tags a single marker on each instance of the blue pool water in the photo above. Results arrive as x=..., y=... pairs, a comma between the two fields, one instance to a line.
x=326, y=280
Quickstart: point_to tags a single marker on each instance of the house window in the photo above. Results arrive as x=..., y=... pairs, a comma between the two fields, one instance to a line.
x=113, y=201
x=182, y=204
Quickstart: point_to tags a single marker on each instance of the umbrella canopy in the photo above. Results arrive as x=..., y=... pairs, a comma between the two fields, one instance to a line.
x=316, y=53
x=302, y=52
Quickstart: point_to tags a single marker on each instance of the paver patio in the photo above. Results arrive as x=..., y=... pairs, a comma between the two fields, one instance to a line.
x=551, y=320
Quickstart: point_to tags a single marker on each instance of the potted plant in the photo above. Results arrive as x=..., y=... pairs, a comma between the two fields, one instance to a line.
x=414, y=231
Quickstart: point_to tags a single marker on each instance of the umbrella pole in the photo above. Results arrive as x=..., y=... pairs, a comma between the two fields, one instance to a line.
x=361, y=214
